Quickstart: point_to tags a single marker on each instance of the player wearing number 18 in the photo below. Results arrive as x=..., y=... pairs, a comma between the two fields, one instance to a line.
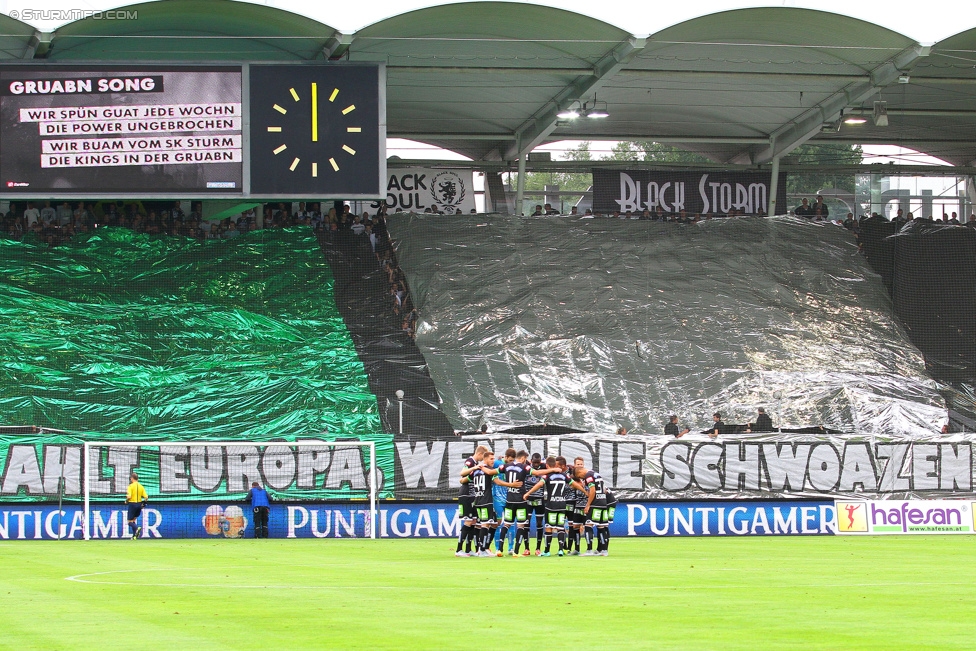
x=533, y=501
x=596, y=511
x=135, y=498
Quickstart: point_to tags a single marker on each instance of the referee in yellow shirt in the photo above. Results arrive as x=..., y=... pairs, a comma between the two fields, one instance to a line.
x=136, y=498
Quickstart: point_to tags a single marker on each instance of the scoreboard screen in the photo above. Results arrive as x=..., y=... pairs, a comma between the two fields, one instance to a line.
x=183, y=131
x=109, y=130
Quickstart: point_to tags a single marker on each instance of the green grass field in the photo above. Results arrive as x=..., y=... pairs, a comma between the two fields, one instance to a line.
x=692, y=593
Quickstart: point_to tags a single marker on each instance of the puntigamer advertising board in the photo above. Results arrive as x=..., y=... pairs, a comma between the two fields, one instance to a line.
x=99, y=131
x=233, y=520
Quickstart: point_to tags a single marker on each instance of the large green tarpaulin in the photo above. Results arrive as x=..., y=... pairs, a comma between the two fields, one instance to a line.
x=118, y=335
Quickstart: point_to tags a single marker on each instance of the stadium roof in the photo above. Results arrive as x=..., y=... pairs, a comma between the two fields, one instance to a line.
x=486, y=79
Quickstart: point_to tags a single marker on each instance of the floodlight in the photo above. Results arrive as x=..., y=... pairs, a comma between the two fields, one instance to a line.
x=880, y=114
x=571, y=112
x=596, y=110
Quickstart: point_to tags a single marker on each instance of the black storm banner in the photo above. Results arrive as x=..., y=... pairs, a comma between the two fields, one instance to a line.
x=695, y=192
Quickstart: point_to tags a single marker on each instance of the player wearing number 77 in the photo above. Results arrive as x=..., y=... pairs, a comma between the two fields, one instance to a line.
x=555, y=483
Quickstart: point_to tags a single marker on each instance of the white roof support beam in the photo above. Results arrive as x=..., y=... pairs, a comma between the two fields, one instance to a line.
x=809, y=123
x=337, y=46
x=534, y=131
x=38, y=46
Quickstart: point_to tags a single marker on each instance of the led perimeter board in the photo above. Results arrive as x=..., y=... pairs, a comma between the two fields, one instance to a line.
x=184, y=131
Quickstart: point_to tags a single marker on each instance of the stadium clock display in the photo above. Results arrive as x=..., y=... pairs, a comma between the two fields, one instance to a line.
x=316, y=131
x=304, y=139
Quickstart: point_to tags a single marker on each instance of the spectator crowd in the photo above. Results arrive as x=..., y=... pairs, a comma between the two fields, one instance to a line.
x=900, y=220
x=56, y=224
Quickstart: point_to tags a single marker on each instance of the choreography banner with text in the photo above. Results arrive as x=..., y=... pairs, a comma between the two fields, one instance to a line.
x=748, y=466
x=233, y=520
x=774, y=465
x=49, y=467
x=695, y=192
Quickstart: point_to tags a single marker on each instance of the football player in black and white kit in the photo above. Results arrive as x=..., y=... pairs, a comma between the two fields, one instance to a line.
x=555, y=484
x=596, y=511
x=571, y=496
x=481, y=479
x=466, y=511
x=579, y=511
x=611, y=506
x=513, y=475
x=534, y=502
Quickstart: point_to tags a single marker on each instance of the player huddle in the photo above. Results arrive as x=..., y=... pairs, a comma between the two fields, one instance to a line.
x=568, y=502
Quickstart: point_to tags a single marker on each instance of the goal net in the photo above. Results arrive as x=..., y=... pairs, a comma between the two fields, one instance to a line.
x=317, y=489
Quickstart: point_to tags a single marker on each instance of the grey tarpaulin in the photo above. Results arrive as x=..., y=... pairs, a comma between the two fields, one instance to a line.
x=596, y=324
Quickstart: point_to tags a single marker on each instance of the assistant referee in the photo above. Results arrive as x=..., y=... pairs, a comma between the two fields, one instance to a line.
x=136, y=498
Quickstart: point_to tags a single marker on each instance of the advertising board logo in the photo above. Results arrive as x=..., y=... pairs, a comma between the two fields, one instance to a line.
x=905, y=517
x=852, y=517
x=229, y=522
x=447, y=189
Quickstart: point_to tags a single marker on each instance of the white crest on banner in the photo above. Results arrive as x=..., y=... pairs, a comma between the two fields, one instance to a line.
x=447, y=189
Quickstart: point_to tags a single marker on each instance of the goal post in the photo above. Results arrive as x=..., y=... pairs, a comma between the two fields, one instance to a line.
x=196, y=473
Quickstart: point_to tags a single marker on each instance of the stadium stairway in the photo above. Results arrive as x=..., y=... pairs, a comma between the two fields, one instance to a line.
x=391, y=358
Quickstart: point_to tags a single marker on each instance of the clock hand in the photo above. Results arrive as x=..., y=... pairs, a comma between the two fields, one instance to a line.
x=315, y=112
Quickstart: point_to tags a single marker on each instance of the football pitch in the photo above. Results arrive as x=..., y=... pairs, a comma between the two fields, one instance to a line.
x=666, y=593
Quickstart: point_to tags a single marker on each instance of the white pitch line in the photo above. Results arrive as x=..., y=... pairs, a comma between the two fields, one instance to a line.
x=78, y=578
